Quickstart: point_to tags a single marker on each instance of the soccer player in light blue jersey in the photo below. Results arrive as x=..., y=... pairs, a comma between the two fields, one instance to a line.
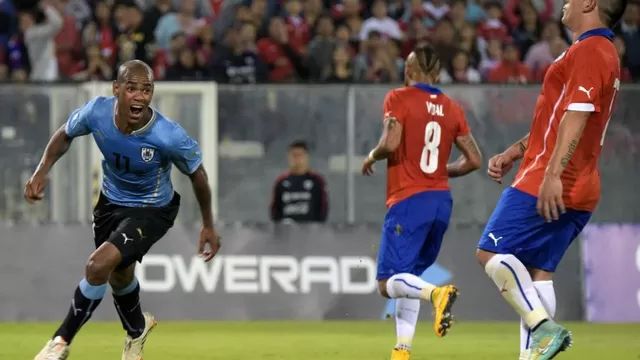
x=137, y=204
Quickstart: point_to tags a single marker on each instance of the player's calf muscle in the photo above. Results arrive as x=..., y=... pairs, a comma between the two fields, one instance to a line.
x=102, y=263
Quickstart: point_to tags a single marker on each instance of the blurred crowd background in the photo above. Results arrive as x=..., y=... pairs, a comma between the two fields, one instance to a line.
x=284, y=41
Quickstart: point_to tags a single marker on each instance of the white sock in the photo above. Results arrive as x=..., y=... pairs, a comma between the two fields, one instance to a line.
x=407, y=311
x=516, y=286
x=409, y=286
x=548, y=298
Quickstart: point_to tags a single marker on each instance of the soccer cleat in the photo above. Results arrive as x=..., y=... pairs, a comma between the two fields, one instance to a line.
x=134, y=348
x=548, y=341
x=400, y=354
x=56, y=349
x=443, y=298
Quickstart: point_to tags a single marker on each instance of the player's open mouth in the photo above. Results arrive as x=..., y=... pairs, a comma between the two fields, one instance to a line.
x=136, y=109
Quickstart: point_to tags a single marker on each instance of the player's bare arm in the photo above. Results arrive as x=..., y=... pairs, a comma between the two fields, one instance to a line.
x=550, y=204
x=208, y=235
x=389, y=142
x=469, y=160
x=58, y=145
x=501, y=164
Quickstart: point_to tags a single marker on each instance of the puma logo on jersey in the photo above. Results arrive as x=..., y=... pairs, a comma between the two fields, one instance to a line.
x=588, y=92
x=435, y=109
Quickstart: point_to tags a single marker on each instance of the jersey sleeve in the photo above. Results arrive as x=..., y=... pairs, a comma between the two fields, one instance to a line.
x=184, y=152
x=587, y=72
x=79, y=123
x=392, y=107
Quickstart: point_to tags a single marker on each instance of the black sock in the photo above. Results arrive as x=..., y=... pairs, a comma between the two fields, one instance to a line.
x=85, y=300
x=127, y=302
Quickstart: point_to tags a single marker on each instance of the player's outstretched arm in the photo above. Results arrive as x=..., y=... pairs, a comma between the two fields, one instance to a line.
x=470, y=160
x=58, y=145
x=208, y=235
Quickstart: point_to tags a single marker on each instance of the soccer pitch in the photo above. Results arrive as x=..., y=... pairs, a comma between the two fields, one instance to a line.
x=331, y=340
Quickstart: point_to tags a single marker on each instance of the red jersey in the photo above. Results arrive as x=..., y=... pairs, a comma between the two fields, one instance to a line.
x=431, y=121
x=585, y=78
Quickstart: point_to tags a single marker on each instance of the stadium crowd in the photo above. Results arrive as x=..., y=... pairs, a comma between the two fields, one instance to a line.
x=282, y=41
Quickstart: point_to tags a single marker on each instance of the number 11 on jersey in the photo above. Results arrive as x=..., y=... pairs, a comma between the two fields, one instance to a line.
x=429, y=158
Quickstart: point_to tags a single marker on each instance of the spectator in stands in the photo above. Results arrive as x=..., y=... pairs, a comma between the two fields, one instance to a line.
x=321, y=49
x=493, y=27
x=79, y=10
x=458, y=14
x=396, y=9
x=346, y=9
x=380, y=22
x=155, y=12
x=101, y=30
x=459, y=71
x=373, y=64
x=259, y=15
x=475, y=12
x=17, y=57
x=183, y=21
x=169, y=57
x=39, y=40
x=133, y=42
x=297, y=28
x=417, y=10
x=68, y=43
x=557, y=46
x=340, y=69
x=202, y=8
x=7, y=22
x=299, y=195
x=510, y=70
x=436, y=10
x=528, y=32
x=238, y=62
x=94, y=66
x=204, y=45
x=492, y=58
x=513, y=11
x=416, y=35
x=444, y=41
x=187, y=68
x=4, y=69
x=343, y=35
x=629, y=29
x=540, y=55
x=471, y=44
x=625, y=74
x=284, y=62
x=312, y=10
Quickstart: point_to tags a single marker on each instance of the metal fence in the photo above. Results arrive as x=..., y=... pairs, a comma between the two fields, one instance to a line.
x=254, y=126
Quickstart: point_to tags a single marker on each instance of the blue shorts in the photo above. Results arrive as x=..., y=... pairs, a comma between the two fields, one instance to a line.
x=516, y=228
x=412, y=233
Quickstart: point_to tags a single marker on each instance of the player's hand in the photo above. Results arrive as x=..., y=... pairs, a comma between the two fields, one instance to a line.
x=367, y=166
x=499, y=166
x=209, y=236
x=550, y=204
x=34, y=188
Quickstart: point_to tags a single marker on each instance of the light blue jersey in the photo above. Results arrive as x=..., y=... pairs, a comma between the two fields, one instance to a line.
x=136, y=167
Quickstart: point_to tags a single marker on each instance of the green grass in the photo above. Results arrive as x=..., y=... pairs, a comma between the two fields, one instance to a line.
x=315, y=341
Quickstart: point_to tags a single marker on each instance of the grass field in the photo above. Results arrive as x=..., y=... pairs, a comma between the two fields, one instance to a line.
x=315, y=341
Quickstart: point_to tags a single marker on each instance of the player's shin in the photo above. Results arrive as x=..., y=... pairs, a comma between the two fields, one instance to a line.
x=409, y=286
x=516, y=286
x=127, y=303
x=407, y=311
x=547, y=295
x=85, y=300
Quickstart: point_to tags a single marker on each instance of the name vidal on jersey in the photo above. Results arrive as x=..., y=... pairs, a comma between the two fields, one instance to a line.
x=435, y=109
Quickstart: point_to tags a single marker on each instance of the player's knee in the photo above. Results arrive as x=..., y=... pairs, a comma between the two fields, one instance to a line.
x=382, y=288
x=483, y=257
x=100, y=265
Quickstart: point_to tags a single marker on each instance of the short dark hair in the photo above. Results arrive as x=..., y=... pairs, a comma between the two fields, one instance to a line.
x=299, y=144
x=428, y=59
x=611, y=11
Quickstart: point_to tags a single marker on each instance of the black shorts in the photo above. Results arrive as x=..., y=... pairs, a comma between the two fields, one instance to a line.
x=133, y=230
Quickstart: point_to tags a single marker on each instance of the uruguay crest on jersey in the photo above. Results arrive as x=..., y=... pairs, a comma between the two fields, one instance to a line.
x=147, y=154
